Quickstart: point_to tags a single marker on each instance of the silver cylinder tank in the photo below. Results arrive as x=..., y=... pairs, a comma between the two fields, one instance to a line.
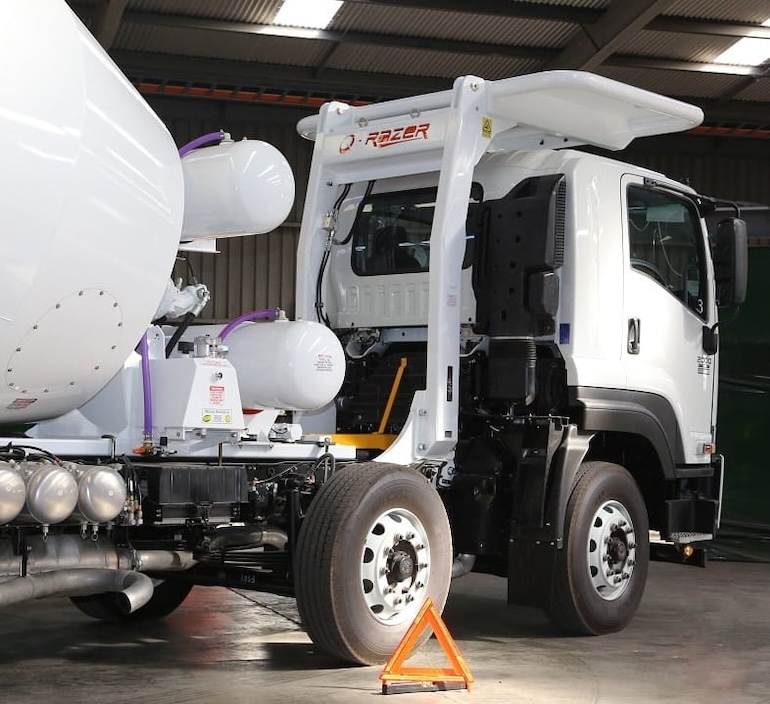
x=12, y=492
x=101, y=493
x=52, y=494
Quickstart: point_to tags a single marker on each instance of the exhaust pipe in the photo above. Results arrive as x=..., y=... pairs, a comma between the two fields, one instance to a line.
x=67, y=565
x=135, y=588
x=463, y=564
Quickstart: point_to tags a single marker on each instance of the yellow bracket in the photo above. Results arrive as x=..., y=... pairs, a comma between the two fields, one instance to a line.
x=392, y=397
x=379, y=440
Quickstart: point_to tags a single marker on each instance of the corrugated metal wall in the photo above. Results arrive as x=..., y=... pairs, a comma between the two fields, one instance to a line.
x=733, y=168
x=259, y=271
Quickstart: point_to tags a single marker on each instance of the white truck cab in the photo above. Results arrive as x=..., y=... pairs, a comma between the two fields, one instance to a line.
x=531, y=326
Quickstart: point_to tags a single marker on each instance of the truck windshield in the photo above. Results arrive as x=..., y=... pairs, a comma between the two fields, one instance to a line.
x=391, y=234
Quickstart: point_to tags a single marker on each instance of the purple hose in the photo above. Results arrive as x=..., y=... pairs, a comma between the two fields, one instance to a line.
x=254, y=315
x=201, y=141
x=144, y=351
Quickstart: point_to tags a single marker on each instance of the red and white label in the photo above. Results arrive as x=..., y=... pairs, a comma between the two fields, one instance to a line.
x=216, y=395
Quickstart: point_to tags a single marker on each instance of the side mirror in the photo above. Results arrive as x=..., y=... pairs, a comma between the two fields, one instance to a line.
x=731, y=262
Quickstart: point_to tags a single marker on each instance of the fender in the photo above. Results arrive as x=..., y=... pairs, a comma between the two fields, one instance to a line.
x=636, y=412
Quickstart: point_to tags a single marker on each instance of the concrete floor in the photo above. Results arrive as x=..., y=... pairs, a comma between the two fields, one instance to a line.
x=700, y=636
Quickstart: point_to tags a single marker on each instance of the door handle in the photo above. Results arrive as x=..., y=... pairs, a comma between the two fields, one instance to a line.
x=634, y=327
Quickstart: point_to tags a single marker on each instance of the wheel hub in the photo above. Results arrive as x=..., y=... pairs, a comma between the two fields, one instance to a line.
x=402, y=567
x=394, y=567
x=611, y=550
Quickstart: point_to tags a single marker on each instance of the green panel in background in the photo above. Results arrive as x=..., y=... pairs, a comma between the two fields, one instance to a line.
x=744, y=401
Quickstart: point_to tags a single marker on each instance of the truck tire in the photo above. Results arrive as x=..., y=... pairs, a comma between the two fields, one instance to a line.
x=601, y=570
x=167, y=597
x=374, y=545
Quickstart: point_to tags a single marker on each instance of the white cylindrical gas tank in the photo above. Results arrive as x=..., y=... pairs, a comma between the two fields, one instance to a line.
x=92, y=212
x=12, y=492
x=292, y=365
x=101, y=493
x=235, y=188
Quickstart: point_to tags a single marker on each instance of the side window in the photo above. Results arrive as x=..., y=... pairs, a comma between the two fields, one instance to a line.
x=666, y=244
x=391, y=232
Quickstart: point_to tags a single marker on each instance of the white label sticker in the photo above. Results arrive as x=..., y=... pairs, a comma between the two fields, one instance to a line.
x=324, y=362
x=217, y=415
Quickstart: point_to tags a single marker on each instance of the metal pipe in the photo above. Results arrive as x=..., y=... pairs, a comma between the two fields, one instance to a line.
x=136, y=589
x=64, y=552
x=248, y=538
x=463, y=564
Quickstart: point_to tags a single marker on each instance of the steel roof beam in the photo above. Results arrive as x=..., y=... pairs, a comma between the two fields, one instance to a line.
x=549, y=57
x=106, y=21
x=597, y=42
x=339, y=84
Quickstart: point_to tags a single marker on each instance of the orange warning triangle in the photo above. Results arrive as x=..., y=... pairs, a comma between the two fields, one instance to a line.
x=458, y=676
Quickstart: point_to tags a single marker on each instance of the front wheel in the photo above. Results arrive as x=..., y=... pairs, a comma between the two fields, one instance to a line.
x=601, y=570
x=374, y=545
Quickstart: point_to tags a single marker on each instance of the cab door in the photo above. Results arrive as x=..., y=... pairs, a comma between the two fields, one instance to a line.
x=668, y=299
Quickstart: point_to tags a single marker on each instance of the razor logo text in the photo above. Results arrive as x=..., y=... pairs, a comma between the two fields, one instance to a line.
x=387, y=138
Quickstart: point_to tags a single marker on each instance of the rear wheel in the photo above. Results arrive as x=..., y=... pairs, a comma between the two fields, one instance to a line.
x=166, y=597
x=601, y=570
x=374, y=545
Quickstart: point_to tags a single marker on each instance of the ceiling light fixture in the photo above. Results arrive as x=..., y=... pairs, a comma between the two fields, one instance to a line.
x=314, y=14
x=749, y=51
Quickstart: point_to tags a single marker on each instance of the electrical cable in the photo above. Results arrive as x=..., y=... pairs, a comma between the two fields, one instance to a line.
x=181, y=330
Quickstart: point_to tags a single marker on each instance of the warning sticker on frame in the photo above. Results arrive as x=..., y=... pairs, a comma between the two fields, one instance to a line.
x=217, y=415
x=216, y=395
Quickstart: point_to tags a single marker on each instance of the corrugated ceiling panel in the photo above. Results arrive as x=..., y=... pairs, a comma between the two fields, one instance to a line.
x=759, y=91
x=573, y=3
x=259, y=11
x=459, y=26
x=427, y=63
x=668, y=45
x=677, y=83
x=737, y=10
x=220, y=45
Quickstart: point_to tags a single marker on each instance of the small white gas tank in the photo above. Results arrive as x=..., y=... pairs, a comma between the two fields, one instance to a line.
x=235, y=188
x=293, y=365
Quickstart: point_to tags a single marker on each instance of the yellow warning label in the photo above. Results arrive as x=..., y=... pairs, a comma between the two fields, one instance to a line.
x=486, y=127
